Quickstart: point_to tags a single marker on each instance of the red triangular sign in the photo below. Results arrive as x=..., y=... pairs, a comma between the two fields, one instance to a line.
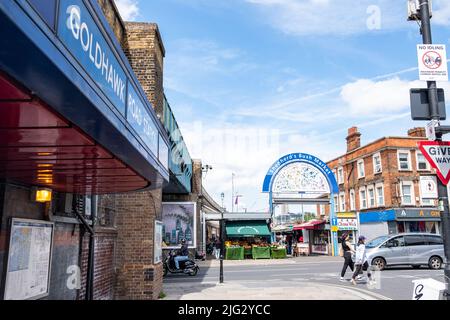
x=437, y=154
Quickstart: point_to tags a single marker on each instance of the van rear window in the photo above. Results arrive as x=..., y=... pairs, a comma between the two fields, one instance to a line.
x=434, y=240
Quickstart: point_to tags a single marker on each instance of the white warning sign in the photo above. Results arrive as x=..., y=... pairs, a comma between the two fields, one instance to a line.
x=432, y=62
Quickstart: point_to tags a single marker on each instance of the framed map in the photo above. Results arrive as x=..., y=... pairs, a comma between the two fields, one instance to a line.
x=29, y=260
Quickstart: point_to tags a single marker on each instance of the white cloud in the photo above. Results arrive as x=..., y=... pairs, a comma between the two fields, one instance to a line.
x=441, y=14
x=373, y=98
x=330, y=17
x=129, y=9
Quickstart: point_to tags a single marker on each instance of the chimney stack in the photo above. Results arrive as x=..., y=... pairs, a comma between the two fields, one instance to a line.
x=353, y=139
x=417, y=132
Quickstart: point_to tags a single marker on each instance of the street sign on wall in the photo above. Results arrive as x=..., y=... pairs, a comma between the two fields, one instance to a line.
x=432, y=62
x=437, y=154
x=428, y=187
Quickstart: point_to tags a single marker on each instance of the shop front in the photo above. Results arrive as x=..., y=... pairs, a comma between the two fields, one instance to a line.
x=249, y=239
x=373, y=224
x=418, y=220
x=347, y=223
x=316, y=237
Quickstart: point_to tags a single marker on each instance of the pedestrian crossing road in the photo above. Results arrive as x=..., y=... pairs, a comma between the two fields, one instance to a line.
x=393, y=283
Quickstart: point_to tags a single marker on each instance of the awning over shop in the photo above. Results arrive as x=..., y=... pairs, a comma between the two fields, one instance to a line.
x=310, y=225
x=247, y=229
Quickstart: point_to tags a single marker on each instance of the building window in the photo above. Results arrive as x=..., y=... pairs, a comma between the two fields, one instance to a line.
x=428, y=202
x=342, y=202
x=407, y=193
x=377, y=163
x=371, y=194
x=352, y=200
x=380, y=195
x=362, y=199
x=336, y=204
x=422, y=163
x=340, y=175
x=404, y=160
x=361, y=172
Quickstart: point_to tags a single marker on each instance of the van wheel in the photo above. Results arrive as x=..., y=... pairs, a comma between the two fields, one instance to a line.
x=435, y=263
x=379, y=262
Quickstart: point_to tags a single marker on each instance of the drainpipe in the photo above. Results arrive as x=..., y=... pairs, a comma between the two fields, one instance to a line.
x=90, y=270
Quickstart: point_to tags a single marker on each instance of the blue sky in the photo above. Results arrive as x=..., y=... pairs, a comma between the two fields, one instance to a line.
x=252, y=80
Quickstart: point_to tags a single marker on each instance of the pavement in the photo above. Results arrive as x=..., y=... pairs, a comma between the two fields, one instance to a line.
x=300, y=278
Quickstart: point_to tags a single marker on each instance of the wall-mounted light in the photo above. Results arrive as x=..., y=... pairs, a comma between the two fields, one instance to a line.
x=43, y=195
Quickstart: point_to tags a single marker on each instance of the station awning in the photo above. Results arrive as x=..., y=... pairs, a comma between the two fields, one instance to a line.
x=310, y=225
x=62, y=125
x=237, y=229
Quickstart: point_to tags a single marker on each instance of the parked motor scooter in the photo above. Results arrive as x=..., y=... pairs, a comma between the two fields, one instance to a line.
x=186, y=267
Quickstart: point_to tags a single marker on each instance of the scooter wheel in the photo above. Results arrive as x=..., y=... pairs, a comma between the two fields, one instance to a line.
x=193, y=272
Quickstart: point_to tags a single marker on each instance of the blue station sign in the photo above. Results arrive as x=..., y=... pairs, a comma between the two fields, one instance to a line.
x=140, y=119
x=83, y=38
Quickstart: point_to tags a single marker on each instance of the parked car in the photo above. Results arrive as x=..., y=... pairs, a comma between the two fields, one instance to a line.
x=414, y=249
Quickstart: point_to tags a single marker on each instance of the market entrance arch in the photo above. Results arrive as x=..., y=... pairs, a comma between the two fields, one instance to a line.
x=301, y=178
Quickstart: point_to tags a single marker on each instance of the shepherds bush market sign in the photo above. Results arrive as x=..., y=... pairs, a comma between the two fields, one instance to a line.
x=83, y=38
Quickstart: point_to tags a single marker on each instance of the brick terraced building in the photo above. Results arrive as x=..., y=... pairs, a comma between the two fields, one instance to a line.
x=388, y=184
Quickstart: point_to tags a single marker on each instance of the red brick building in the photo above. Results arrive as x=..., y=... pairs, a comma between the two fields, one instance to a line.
x=388, y=183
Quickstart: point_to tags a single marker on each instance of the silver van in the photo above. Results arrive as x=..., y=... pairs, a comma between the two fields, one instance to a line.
x=414, y=249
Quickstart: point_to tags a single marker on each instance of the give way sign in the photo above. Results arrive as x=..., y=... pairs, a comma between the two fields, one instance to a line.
x=437, y=154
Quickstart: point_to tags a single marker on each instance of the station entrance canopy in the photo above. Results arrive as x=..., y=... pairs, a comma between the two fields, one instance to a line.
x=73, y=115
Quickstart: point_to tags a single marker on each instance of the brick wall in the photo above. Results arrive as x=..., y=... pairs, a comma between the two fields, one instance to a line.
x=104, y=276
x=146, y=52
x=114, y=19
x=137, y=277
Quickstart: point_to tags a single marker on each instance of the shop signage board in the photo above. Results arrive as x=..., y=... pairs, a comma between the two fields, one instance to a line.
x=428, y=187
x=437, y=154
x=83, y=38
x=29, y=260
x=432, y=62
x=348, y=223
x=417, y=214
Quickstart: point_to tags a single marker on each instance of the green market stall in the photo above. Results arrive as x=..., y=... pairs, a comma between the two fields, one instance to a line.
x=261, y=252
x=234, y=253
x=278, y=253
x=253, y=237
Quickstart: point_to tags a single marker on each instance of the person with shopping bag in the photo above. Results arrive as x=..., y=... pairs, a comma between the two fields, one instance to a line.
x=361, y=263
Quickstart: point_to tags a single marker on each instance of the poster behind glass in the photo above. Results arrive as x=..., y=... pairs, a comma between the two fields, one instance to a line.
x=179, y=222
x=157, y=254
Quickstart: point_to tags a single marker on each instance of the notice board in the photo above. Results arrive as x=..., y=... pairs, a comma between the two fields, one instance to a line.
x=29, y=259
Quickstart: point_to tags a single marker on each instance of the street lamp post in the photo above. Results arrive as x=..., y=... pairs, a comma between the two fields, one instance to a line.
x=434, y=112
x=222, y=246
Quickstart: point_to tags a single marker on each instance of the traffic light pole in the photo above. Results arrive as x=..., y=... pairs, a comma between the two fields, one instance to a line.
x=442, y=189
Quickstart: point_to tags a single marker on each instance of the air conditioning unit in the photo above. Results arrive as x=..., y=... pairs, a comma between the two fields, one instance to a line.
x=414, y=9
